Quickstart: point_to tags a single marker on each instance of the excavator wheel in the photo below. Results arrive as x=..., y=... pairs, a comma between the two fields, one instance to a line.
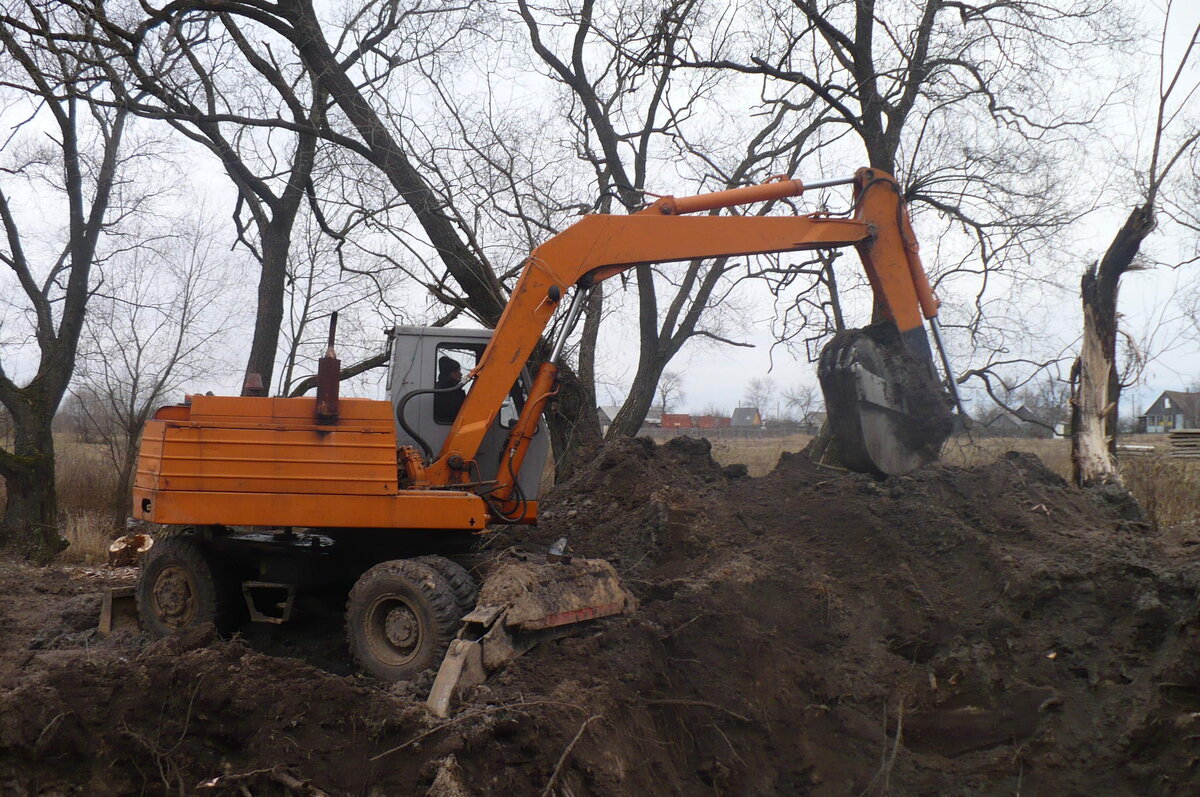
x=886, y=410
x=181, y=585
x=465, y=590
x=400, y=618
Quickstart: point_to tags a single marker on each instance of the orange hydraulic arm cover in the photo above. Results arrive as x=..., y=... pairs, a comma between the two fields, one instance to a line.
x=601, y=246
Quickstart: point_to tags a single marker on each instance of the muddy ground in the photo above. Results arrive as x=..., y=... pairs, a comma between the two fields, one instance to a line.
x=980, y=631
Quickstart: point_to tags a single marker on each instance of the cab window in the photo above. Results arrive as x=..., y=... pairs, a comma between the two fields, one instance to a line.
x=452, y=363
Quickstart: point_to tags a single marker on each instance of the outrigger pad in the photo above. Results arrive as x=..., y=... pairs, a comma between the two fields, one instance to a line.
x=887, y=412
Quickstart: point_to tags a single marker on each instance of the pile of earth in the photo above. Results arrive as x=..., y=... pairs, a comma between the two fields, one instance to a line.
x=989, y=630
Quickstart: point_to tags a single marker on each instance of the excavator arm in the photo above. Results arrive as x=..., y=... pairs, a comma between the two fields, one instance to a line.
x=601, y=246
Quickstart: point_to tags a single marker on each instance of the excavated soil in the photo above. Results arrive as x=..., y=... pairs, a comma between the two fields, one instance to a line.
x=957, y=631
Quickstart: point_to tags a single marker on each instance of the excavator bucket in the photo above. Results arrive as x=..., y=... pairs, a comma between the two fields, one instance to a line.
x=524, y=602
x=887, y=413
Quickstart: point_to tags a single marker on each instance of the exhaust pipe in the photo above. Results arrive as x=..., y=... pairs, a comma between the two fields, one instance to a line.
x=329, y=374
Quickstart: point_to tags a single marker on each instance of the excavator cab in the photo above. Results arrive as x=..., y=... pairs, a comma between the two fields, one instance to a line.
x=416, y=354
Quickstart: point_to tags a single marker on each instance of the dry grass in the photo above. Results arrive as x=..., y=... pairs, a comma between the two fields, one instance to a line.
x=967, y=452
x=88, y=535
x=86, y=478
x=759, y=454
x=86, y=482
x=1168, y=489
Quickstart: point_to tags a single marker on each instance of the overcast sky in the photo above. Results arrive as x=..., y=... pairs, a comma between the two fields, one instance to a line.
x=717, y=375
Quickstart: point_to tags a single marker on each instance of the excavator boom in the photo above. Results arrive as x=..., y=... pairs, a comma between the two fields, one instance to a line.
x=601, y=246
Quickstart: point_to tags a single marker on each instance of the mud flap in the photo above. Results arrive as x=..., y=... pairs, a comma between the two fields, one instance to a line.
x=520, y=605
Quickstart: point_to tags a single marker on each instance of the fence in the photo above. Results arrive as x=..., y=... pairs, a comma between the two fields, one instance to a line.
x=725, y=433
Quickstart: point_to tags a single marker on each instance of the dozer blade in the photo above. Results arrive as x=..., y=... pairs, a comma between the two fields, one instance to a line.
x=522, y=603
x=887, y=413
x=540, y=595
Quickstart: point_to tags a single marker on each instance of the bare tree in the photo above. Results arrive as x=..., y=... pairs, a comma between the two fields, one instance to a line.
x=207, y=78
x=78, y=167
x=760, y=391
x=1097, y=385
x=628, y=97
x=965, y=103
x=321, y=282
x=151, y=328
x=670, y=391
x=804, y=398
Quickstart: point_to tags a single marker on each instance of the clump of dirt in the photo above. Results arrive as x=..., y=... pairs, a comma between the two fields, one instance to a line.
x=986, y=631
x=190, y=709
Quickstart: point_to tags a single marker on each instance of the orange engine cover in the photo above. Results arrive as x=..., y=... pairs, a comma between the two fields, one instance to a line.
x=248, y=461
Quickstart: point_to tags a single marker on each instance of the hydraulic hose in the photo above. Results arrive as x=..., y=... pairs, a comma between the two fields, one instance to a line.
x=404, y=424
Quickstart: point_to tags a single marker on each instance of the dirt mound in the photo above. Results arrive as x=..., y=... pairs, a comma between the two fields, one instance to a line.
x=984, y=631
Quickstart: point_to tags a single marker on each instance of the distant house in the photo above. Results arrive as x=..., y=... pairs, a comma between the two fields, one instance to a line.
x=746, y=418
x=813, y=421
x=607, y=413
x=1021, y=422
x=676, y=421
x=1174, y=409
x=1036, y=424
x=711, y=422
x=1002, y=424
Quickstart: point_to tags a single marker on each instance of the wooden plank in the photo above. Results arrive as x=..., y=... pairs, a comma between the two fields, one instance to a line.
x=115, y=601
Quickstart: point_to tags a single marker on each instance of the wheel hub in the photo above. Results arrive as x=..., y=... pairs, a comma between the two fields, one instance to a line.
x=401, y=627
x=394, y=631
x=174, y=597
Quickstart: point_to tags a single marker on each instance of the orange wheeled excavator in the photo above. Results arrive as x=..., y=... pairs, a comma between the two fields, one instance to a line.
x=267, y=497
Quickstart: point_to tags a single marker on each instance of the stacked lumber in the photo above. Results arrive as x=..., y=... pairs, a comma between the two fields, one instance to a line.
x=1185, y=443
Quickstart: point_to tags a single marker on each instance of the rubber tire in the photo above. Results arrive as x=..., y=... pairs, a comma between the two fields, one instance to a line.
x=215, y=592
x=466, y=592
x=430, y=600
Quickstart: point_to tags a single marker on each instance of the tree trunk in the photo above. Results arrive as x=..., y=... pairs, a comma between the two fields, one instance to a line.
x=484, y=293
x=276, y=241
x=574, y=427
x=587, y=345
x=1097, y=386
x=632, y=415
x=31, y=510
x=1092, y=460
x=123, y=497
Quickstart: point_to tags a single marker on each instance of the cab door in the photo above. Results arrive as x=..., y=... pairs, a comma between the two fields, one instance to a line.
x=417, y=362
